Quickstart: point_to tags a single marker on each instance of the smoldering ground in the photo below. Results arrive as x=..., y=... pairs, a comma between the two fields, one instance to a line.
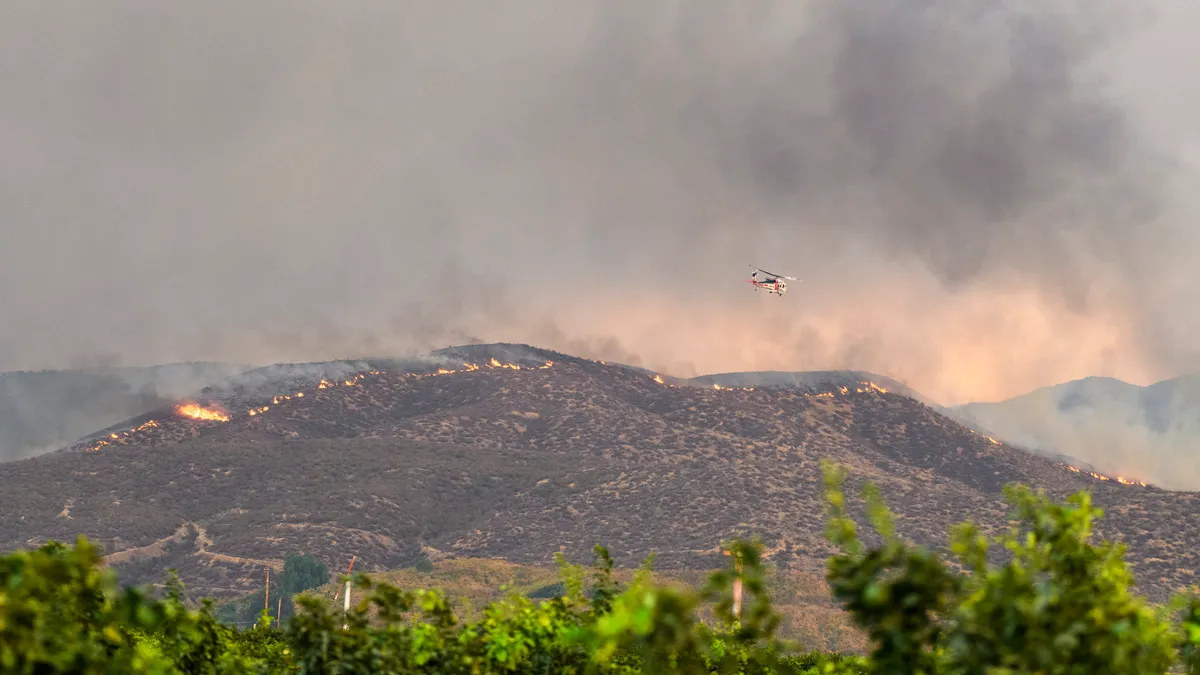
x=972, y=207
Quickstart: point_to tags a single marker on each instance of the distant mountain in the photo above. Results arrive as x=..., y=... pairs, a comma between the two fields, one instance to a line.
x=41, y=411
x=511, y=452
x=1114, y=426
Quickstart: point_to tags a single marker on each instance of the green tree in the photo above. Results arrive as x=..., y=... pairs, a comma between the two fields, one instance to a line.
x=301, y=572
x=61, y=611
x=1061, y=604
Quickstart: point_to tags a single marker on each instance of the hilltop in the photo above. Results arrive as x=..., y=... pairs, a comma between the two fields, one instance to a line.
x=511, y=452
x=1105, y=423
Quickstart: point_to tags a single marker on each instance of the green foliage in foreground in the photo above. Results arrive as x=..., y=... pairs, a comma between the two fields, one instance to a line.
x=1060, y=605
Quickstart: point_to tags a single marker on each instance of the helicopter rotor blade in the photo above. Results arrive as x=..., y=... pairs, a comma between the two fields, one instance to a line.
x=772, y=274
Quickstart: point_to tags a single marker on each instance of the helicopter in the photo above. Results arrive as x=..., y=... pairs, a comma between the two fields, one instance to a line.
x=772, y=284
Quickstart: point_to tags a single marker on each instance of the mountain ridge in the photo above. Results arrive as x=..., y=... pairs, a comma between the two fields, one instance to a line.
x=516, y=460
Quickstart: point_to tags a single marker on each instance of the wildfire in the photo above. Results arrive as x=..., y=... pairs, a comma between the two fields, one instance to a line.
x=493, y=363
x=1119, y=479
x=124, y=434
x=992, y=440
x=196, y=412
x=658, y=379
x=863, y=389
x=718, y=387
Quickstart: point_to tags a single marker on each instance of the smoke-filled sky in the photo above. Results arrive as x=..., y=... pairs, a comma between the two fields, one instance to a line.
x=981, y=197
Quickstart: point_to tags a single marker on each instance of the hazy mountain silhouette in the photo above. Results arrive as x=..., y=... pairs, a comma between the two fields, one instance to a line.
x=1114, y=426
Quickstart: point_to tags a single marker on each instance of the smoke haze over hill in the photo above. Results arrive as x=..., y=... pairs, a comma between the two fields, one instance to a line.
x=973, y=209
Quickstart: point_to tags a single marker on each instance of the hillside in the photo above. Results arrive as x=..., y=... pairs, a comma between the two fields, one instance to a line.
x=41, y=411
x=1113, y=426
x=502, y=451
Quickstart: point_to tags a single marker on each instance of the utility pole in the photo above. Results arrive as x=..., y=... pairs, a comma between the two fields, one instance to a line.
x=737, y=587
x=348, y=569
x=346, y=602
x=266, y=592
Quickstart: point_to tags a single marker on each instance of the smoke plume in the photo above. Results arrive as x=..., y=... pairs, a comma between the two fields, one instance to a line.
x=974, y=204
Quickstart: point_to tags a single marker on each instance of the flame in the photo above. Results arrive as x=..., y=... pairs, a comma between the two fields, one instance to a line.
x=1119, y=479
x=658, y=379
x=324, y=385
x=718, y=387
x=992, y=440
x=196, y=412
x=259, y=411
x=124, y=434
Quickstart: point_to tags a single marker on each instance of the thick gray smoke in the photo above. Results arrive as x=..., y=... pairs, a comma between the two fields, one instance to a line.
x=44, y=411
x=972, y=207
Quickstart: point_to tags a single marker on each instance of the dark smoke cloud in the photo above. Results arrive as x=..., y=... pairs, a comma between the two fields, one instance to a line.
x=971, y=206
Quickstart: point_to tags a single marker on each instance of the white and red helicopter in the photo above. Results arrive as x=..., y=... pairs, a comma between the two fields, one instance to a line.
x=773, y=283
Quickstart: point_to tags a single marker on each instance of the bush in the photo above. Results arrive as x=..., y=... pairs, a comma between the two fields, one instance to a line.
x=1061, y=604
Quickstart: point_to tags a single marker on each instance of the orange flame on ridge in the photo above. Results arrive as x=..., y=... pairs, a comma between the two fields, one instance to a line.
x=196, y=412
x=1118, y=479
